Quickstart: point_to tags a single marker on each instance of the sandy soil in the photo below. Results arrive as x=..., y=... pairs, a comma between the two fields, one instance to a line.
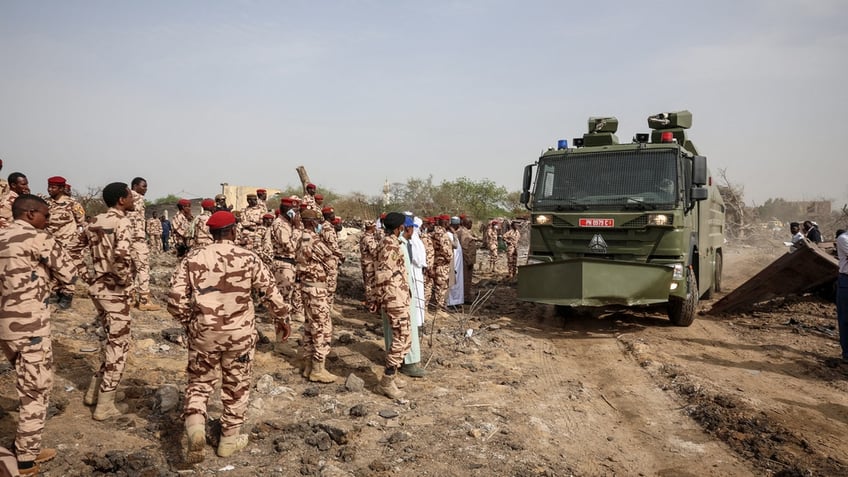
x=528, y=394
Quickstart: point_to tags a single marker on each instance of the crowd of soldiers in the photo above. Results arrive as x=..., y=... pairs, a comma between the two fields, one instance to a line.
x=288, y=259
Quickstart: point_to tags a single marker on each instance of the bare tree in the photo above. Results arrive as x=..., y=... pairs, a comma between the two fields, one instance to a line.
x=736, y=212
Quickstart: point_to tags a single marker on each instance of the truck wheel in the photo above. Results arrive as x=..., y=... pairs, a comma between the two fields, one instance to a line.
x=565, y=311
x=681, y=312
x=718, y=266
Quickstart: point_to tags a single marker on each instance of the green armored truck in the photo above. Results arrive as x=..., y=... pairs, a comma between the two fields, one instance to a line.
x=624, y=224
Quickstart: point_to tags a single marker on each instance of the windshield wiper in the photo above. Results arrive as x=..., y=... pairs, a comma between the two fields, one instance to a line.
x=635, y=203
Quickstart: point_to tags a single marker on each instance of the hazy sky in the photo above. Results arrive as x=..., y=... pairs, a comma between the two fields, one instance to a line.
x=189, y=94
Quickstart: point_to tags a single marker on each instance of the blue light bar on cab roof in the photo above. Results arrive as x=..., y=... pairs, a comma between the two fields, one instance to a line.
x=562, y=144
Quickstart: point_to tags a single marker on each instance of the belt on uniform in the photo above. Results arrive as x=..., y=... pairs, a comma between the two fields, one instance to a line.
x=285, y=259
x=313, y=284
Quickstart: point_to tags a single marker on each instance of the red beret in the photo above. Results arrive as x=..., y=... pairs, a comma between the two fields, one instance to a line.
x=261, y=191
x=221, y=220
x=268, y=216
x=462, y=216
x=383, y=215
x=286, y=201
x=337, y=220
x=277, y=212
x=303, y=205
x=310, y=186
x=56, y=180
x=430, y=220
x=444, y=217
x=184, y=202
x=327, y=210
x=318, y=197
x=207, y=203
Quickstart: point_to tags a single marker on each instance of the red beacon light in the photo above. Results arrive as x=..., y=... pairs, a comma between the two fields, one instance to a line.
x=667, y=136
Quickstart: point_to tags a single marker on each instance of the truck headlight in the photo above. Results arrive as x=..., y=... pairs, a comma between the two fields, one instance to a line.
x=658, y=219
x=678, y=271
x=544, y=219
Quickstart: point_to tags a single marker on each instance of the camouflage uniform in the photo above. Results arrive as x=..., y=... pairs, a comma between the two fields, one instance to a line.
x=427, y=239
x=313, y=257
x=468, y=242
x=442, y=263
x=392, y=295
x=331, y=238
x=309, y=200
x=64, y=225
x=154, y=234
x=6, y=208
x=180, y=229
x=492, y=244
x=29, y=258
x=110, y=240
x=251, y=221
x=511, y=237
x=141, y=254
x=284, y=245
x=368, y=250
x=210, y=296
x=202, y=236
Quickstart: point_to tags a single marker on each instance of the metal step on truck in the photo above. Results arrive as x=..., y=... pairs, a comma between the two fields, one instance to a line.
x=623, y=224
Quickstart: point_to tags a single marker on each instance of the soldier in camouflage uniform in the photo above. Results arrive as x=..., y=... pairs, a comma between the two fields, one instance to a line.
x=4, y=184
x=392, y=297
x=264, y=248
x=109, y=238
x=442, y=261
x=427, y=240
x=313, y=258
x=251, y=220
x=262, y=199
x=331, y=238
x=211, y=297
x=202, y=236
x=64, y=225
x=492, y=244
x=284, y=243
x=18, y=185
x=29, y=259
x=511, y=238
x=154, y=233
x=469, y=244
x=181, y=227
x=368, y=253
x=308, y=200
x=141, y=253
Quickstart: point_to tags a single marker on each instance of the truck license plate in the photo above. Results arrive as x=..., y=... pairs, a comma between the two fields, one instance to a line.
x=596, y=223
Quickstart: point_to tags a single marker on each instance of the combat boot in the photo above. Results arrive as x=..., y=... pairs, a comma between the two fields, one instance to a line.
x=389, y=388
x=305, y=366
x=195, y=427
x=229, y=445
x=33, y=470
x=319, y=374
x=106, y=406
x=93, y=390
x=145, y=304
x=413, y=370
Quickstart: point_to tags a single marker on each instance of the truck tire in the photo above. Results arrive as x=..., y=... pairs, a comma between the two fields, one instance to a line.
x=681, y=312
x=718, y=266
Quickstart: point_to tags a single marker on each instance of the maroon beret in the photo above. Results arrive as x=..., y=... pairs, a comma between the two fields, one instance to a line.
x=56, y=180
x=221, y=220
x=184, y=202
x=207, y=203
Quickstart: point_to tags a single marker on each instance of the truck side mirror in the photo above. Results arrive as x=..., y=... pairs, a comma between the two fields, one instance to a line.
x=699, y=193
x=525, y=197
x=699, y=170
x=528, y=178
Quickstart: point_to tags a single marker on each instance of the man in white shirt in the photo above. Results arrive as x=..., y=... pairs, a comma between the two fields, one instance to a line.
x=842, y=292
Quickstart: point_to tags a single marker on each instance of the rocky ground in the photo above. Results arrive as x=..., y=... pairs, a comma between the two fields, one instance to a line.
x=523, y=393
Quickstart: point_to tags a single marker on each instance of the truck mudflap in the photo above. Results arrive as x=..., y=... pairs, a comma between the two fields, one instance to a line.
x=594, y=282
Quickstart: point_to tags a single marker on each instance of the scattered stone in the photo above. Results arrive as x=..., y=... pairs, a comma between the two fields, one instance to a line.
x=354, y=383
x=312, y=391
x=321, y=440
x=494, y=326
x=398, y=436
x=265, y=384
x=167, y=398
x=164, y=348
x=337, y=434
x=345, y=338
x=475, y=433
x=388, y=414
x=330, y=470
x=360, y=410
x=379, y=466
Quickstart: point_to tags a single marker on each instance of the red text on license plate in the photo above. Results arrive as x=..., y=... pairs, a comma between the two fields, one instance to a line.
x=597, y=222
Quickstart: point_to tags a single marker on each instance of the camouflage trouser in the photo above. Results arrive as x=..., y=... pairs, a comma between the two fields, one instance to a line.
x=285, y=274
x=332, y=282
x=8, y=463
x=33, y=362
x=368, y=278
x=399, y=342
x=202, y=371
x=114, y=317
x=154, y=242
x=141, y=257
x=512, y=260
x=441, y=274
x=466, y=280
x=318, y=328
x=493, y=255
x=428, y=285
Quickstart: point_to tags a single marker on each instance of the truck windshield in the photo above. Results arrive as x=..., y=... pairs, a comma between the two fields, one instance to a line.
x=623, y=179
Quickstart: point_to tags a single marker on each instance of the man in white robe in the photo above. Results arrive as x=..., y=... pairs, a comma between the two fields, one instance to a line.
x=456, y=293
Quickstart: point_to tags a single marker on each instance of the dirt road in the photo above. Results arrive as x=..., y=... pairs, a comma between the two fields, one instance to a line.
x=527, y=394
